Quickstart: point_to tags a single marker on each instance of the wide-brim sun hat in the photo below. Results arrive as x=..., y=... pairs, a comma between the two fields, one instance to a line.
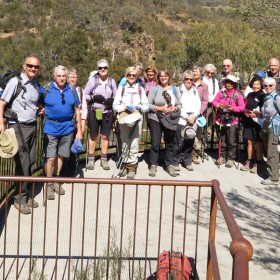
x=230, y=78
x=8, y=143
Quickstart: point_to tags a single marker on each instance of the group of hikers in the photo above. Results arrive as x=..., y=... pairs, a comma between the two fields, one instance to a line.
x=179, y=114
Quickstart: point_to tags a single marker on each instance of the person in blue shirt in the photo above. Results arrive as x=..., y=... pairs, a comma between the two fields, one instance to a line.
x=62, y=117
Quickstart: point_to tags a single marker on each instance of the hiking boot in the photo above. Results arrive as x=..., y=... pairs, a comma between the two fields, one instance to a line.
x=189, y=167
x=269, y=182
x=229, y=163
x=104, y=164
x=50, y=192
x=171, y=171
x=195, y=159
x=34, y=205
x=91, y=163
x=254, y=169
x=176, y=167
x=220, y=161
x=131, y=175
x=246, y=166
x=153, y=171
x=23, y=208
x=58, y=189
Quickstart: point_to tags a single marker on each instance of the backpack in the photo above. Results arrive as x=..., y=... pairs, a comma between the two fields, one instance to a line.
x=4, y=79
x=173, y=265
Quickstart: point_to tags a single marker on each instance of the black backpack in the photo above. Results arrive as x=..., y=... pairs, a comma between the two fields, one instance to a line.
x=4, y=79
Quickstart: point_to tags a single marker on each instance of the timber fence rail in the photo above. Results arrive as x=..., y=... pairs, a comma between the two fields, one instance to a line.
x=116, y=229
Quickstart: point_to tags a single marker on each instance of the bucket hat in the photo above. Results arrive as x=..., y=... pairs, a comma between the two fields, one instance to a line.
x=8, y=143
x=76, y=147
x=230, y=78
x=189, y=132
x=129, y=119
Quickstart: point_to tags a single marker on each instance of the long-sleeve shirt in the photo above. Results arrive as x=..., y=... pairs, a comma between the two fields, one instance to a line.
x=190, y=103
x=202, y=89
x=82, y=98
x=228, y=98
x=130, y=95
x=213, y=87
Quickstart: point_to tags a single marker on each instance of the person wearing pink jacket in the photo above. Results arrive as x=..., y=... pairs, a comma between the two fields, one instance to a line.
x=229, y=102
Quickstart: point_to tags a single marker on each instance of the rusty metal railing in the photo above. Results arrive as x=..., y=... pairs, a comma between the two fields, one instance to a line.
x=116, y=229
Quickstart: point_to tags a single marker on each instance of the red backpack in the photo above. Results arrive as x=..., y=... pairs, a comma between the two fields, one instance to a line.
x=173, y=265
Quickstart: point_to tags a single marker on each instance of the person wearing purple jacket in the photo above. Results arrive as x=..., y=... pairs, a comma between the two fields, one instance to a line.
x=100, y=92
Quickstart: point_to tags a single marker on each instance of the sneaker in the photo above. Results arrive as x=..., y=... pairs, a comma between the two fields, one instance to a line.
x=32, y=204
x=254, y=169
x=153, y=171
x=23, y=208
x=189, y=167
x=58, y=189
x=131, y=175
x=269, y=182
x=220, y=161
x=229, y=163
x=171, y=171
x=104, y=164
x=195, y=159
x=176, y=167
x=91, y=163
x=246, y=166
x=50, y=192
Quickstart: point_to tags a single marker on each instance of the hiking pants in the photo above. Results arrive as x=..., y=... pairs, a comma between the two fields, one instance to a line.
x=25, y=161
x=270, y=142
x=130, y=142
x=156, y=130
x=228, y=135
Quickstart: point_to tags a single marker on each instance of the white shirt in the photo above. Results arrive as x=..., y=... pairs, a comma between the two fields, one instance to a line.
x=190, y=103
x=211, y=92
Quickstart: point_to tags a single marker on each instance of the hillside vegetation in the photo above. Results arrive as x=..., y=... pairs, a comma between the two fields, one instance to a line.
x=173, y=34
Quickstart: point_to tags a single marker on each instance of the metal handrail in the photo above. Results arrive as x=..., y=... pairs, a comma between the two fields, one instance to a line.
x=240, y=248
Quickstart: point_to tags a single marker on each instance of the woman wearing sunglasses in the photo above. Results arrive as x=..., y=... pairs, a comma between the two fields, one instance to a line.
x=130, y=102
x=100, y=91
x=229, y=103
x=191, y=105
x=270, y=130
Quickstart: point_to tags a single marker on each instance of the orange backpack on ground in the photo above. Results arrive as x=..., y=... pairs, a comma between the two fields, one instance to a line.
x=173, y=265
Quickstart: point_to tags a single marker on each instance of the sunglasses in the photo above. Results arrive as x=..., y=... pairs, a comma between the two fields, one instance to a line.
x=210, y=73
x=32, y=66
x=226, y=65
x=62, y=98
x=268, y=85
x=103, y=68
x=188, y=79
x=131, y=75
x=229, y=82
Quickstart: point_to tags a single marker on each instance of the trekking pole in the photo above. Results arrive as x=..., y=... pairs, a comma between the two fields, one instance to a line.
x=124, y=155
x=88, y=136
x=219, y=145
